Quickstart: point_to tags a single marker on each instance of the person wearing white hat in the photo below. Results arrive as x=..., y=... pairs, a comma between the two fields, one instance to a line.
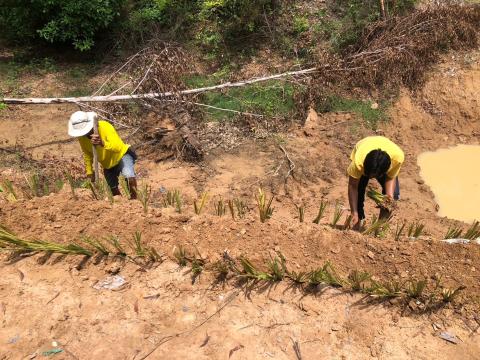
x=116, y=157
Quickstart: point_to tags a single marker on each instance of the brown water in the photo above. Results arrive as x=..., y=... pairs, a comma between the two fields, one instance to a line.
x=454, y=177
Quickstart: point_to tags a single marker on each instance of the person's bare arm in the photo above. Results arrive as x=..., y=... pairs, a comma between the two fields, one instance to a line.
x=353, y=200
x=390, y=187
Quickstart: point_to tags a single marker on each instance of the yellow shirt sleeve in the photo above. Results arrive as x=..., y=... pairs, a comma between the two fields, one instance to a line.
x=86, y=146
x=353, y=169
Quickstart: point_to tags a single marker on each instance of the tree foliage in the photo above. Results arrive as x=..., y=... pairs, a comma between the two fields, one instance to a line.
x=76, y=22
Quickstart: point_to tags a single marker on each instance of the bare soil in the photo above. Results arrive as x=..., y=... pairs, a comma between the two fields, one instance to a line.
x=45, y=299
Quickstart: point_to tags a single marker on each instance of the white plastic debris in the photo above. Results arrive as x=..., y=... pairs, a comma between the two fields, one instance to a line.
x=110, y=283
x=451, y=338
x=456, y=241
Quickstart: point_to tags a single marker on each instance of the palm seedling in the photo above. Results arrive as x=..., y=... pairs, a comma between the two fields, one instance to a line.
x=265, y=208
x=298, y=278
x=220, y=207
x=173, y=199
x=221, y=270
x=153, y=254
x=348, y=222
x=144, y=194
x=448, y=295
x=33, y=185
x=7, y=187
x=197, y=264
x=453, y=232
x=378, y=227
x=415, y=288
x=399, y=230
x=115, y=242
x=91, y=187
x=376, y=196
x=250, y=272
x=337, y=214
x=12, y=242
x=137, y=246
x=58, y=185
x=301, y=212
x=473, y=232
x=124, y=186
x=108, y=191
x=198, y=205
x=415, y=230
x=277, y=267
x=390, y=289
x=325, y=275
x=71, y=182
x=241, y=208
x=97, y=245
x=232, y=209
x=357, y=280
x=382, y=201
x=321, y=212
x=180, y=255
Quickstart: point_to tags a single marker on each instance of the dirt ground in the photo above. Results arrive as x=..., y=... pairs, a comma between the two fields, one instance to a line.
x=51, y=299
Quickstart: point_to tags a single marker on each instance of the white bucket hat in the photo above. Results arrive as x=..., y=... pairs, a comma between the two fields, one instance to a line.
x=80, y=123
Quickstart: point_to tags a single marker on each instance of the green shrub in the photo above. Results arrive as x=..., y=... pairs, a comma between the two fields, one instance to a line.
x=300, y=25
x=75, y=22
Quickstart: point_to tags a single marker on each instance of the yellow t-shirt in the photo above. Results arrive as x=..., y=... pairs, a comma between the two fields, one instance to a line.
x=110, y=154
x=363, y=148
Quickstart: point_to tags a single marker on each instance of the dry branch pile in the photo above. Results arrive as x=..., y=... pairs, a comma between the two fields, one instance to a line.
x=401, y=50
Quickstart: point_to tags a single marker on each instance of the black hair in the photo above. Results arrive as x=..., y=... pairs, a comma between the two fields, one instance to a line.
x=376, y=163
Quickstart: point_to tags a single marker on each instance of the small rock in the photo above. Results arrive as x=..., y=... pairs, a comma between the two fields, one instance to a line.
x=113, y=269
x=243, y=231
x=371, y=255
x=57, y=226
x=336, y=327
x=420, y=181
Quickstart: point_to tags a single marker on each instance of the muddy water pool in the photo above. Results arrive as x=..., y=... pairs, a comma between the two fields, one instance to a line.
x=453, y=175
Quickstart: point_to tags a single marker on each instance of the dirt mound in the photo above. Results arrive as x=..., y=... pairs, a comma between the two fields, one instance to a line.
x=307, y=246
x=157, y=314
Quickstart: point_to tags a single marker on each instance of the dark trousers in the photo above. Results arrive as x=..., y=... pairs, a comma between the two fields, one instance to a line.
x=362, y=187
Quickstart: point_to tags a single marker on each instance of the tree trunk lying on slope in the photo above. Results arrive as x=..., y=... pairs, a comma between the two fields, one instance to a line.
x=117, y=98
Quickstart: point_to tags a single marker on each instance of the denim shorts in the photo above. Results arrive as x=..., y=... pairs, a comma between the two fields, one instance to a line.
x=125, y=167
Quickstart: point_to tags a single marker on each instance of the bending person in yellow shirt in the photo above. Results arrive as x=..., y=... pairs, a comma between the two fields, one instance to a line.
x=114, y=155
x=373, y=157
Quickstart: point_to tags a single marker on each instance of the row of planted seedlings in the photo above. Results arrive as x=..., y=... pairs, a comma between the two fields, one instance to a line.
x=428, y=293
x=237, y=208
x=33, y=185
x=38, y=185
x=133, y=249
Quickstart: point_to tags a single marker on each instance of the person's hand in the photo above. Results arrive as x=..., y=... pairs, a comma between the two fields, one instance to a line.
x=96, y=140
x=355, y=222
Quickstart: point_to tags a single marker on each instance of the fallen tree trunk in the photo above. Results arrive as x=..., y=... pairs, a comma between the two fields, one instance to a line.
x=117, y=98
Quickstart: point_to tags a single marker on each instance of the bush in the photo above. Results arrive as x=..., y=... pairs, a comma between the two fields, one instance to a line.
x=77, y=22
x=357, y=14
